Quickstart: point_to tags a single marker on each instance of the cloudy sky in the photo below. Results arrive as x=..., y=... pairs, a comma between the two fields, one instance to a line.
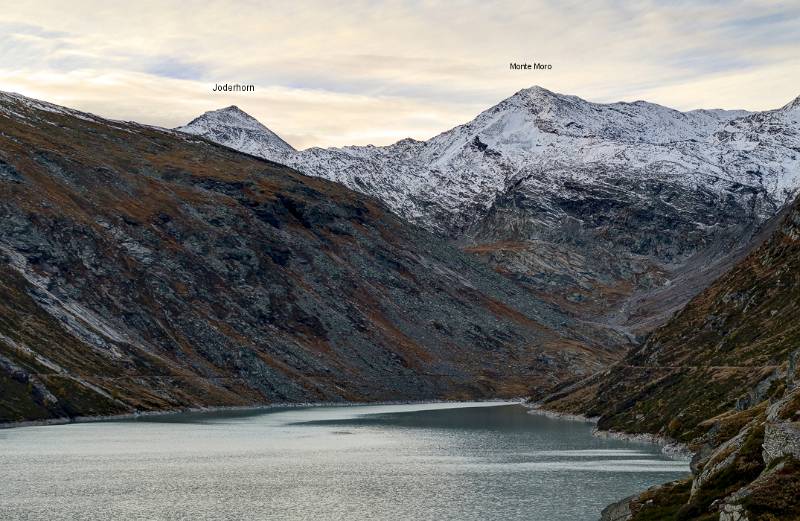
x=336, y=73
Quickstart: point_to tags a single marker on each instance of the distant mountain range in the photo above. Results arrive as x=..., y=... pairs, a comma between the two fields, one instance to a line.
x=616, y=213
x=545, y=143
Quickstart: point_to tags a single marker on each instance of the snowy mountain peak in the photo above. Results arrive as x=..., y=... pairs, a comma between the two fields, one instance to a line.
x=537, y=92
x=231, y=116
x=233, y=109
x=537, y=111
x=538, y=98
x=235, y=128
x=792, y=106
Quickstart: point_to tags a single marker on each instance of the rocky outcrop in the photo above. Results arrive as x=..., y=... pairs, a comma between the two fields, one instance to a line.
x=771, y=496
x=619, y=511
x=781, y=440
x=753, y=475
x=732, y=512
x=720, y=460
x=792, y=371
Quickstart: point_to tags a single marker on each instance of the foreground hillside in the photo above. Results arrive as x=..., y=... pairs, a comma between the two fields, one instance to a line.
x=721, y=376
x=143, y=269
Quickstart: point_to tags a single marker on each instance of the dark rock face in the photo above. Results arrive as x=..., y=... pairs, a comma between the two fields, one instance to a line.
x=620, y=248
x=142, y=269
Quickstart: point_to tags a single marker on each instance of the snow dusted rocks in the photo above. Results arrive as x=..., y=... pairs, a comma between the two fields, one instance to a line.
x=234, y=128
x=549, y=143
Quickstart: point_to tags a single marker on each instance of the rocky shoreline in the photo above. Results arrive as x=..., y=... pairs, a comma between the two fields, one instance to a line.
x=668, y=446
x=537, y=410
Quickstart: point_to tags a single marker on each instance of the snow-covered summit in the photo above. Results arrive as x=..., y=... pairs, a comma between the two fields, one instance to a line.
x=231, y=116
x=622, y=121
x=233, y=127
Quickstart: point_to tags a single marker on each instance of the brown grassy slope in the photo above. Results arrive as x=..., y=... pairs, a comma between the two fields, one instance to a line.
x=716, y=350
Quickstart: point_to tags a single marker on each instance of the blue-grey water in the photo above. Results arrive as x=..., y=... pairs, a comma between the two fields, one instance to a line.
x=478, y=461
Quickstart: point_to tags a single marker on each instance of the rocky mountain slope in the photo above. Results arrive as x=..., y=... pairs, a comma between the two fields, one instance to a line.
x=144, y=269
x=617, y=212
x=721, y=376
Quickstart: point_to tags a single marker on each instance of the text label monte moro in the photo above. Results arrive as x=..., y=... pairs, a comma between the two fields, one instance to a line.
x=233, y=87
x=514, y=66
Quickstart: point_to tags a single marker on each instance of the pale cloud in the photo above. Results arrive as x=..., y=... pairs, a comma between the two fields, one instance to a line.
x=336, y=73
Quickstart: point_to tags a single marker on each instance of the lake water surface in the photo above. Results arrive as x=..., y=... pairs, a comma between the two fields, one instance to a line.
x=467, y=461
